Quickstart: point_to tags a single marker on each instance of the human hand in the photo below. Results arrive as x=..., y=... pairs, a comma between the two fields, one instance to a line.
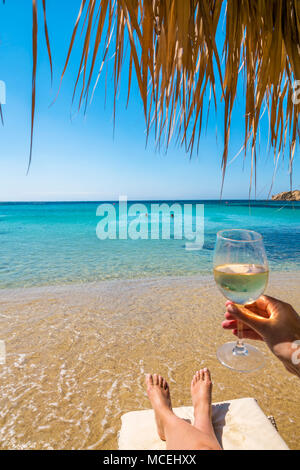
x=270, y=320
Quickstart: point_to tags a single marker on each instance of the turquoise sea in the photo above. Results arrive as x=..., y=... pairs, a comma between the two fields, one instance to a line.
x=56, y=243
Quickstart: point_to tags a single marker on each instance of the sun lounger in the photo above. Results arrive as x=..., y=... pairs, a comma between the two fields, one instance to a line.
x=239, y=425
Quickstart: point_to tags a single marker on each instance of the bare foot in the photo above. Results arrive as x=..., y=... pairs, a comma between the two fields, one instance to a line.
x=159, y=395
x=201, y=388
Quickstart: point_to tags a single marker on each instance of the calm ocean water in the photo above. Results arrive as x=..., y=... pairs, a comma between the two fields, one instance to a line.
x=56, y=243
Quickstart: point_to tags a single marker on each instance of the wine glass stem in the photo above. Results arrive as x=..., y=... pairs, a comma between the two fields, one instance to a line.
x=240, y=342
x=240, y=349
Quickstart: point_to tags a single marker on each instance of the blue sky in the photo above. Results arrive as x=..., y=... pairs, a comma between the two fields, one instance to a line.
x=78, y=158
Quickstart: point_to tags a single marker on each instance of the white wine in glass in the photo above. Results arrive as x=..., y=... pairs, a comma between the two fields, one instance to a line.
x=241, y=274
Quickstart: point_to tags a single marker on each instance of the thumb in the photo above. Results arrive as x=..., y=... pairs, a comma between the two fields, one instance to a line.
x=251, y=319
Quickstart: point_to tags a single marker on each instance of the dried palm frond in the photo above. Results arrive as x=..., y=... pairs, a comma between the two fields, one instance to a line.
x=34, y=55
x=176, y=60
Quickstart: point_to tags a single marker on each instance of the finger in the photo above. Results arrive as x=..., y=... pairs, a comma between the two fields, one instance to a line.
x=228, y=316
x=249, y=334
x=263, y=305
x=249, y=318
x=229, y=324
x=232, y=323
x=254, y=309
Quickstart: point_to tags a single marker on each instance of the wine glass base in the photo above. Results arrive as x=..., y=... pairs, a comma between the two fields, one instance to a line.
x=248, y=359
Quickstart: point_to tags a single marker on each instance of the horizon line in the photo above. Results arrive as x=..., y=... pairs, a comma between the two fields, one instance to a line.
x=138, y=200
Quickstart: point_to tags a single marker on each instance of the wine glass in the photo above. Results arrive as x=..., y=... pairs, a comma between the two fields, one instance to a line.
x=241, y=273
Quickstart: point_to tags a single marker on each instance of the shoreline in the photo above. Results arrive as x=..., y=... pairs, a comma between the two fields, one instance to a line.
x=60, y=288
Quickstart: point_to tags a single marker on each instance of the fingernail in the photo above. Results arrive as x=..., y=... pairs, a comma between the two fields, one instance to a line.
x=231, y=308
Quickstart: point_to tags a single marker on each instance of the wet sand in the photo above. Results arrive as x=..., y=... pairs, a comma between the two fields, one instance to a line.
x=77, y=356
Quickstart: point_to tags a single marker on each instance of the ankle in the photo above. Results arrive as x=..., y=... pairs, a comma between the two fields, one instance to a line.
x=202, y=408
x=164, y=412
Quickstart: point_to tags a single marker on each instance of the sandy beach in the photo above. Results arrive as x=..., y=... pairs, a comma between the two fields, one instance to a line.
x=77, y=356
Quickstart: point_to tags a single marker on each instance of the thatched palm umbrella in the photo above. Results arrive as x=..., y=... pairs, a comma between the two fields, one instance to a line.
x=174, y=54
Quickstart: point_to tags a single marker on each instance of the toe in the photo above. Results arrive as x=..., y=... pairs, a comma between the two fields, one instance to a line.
x=160, y=381
x=197, y=375
x=155, y=379
x=207, y=376
x=149, y=379
x=201, y=374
